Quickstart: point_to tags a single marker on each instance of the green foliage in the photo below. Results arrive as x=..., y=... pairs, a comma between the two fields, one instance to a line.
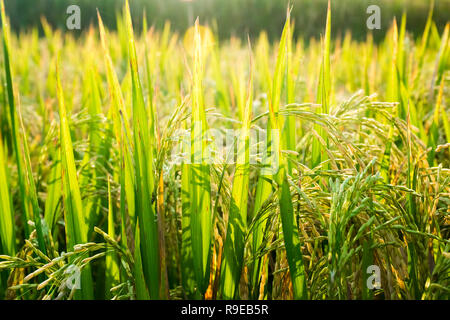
x=113, y=165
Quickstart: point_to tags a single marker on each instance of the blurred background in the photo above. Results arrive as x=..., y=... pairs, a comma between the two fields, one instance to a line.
x=235, y=17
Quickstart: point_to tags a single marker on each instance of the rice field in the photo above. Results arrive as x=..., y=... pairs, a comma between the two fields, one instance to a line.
x=148, y=164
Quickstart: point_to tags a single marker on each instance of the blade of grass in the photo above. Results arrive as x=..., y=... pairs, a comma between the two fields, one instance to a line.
x=51, y=212
x=7, y=234
x=76, y=226
x=288, y=220
x=413, y=280
x=392, y=96
x=24, y=199
x=270, y=155
x=323, y=96
x=145, y=179
x=119, y=116
x=200, y=187
x=233, y=252
x=31, y=187
x=187, y=271
x=290, y=124
x=111, y=266
x=291, y=238
x=138, y=272
x=27, y=186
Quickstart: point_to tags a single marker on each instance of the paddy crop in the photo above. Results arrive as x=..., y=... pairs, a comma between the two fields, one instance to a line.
x=147, y=164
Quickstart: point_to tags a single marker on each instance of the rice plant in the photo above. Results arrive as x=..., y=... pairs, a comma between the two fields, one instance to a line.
x=159, y=165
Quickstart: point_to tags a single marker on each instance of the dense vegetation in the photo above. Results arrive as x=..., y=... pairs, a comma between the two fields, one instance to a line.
x=113, y=171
